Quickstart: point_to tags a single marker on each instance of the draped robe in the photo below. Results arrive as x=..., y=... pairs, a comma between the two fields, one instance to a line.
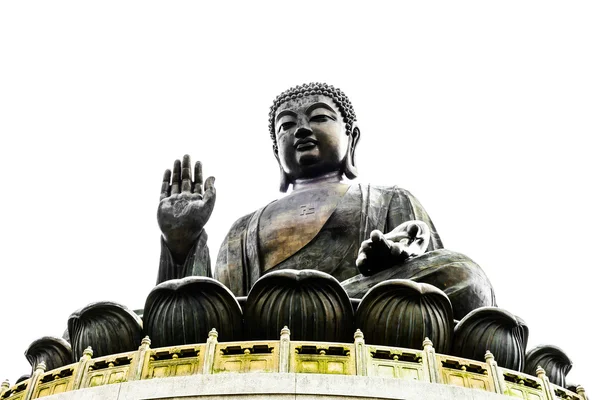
x=334, y=249
x=362, y=209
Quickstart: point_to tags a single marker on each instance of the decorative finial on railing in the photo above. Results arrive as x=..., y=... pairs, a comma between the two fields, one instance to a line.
x=427, y=343
x=284, y=350
x=41, y=367
x=497, y=376
x=146, y=341
x=540, y=372
x=4, y=387
x=88, y=352
x=211, y=347
x=581, y=391
x=360, y=353
x=213, y=333
x=430, y=363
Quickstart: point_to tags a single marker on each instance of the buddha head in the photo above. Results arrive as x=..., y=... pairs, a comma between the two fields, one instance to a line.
x=314, y=133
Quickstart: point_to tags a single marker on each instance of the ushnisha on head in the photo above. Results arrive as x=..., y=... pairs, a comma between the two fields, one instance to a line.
x=314, y=132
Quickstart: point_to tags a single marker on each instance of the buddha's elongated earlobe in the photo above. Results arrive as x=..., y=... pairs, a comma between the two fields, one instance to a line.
x=350, y=169
x=284, y=180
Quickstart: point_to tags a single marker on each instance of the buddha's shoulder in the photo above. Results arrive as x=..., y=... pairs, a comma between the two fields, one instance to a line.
x=241, y=224
x=383, y=189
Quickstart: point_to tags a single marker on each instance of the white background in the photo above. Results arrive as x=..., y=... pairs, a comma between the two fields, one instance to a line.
x=488, y=112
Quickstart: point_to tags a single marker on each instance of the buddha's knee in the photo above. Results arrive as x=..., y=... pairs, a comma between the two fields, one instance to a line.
x=463, y=281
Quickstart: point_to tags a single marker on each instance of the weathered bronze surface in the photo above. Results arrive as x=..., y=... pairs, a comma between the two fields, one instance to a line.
x=108, y=327
x=183, y=311
x=302, y=262
x=554, y=361
x=54, y=352
x=311, y=303
x=492, y=329
x=402, y=313
x=185, y=207
x=463, y=281
x=324, y=224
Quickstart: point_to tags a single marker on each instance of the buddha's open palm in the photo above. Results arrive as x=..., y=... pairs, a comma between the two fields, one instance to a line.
x=185, y=206
x=380, y=252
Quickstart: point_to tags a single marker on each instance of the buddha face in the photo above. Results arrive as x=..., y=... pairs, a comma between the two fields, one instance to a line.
x=311, y=137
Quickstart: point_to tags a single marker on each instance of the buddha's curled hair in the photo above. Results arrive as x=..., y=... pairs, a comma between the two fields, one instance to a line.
x=307, y=89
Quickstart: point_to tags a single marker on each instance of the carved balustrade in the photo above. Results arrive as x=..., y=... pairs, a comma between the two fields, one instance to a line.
x=288, y=356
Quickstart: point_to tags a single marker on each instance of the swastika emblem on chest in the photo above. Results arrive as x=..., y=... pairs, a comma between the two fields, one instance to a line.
x=306, y=209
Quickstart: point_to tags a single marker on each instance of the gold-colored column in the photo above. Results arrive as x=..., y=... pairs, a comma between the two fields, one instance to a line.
x=33, y=381
x=541, y=374
x=139, y=360
x=82, y=368
x=497, y=376
x=284, y=350
x=581, y=392
x=430, y=363
x=360, y=350
x=4, y=387
x=211, y=347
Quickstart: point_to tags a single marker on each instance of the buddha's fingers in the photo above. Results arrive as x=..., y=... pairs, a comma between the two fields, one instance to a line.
x=398, y=250
x=377, y=236
x=409, y=239
x=198, y=177
x=186, y=175
x=176, y=184
x=366, y=245
x=209, y=192
x=411, y=230
x=417, y=247
x=396, y=236
x=361, y=260
x=380, y=242
x=164, y=190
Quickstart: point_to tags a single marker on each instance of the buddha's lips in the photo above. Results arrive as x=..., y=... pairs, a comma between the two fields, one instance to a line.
x=305, y=144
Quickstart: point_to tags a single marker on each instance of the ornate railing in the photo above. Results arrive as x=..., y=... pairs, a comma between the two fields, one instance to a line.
x=287, y=356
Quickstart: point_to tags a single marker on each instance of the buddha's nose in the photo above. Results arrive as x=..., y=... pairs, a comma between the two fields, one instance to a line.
x=303, y=129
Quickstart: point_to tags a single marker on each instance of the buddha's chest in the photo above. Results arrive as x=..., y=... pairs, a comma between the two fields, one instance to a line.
x=288, y=224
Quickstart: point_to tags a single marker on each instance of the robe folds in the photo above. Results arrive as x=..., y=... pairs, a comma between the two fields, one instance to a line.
x=334, y=250
x=197, y=262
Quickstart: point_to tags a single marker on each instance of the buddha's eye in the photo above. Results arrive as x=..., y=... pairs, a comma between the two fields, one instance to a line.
x=286, y=125
x=321, y=118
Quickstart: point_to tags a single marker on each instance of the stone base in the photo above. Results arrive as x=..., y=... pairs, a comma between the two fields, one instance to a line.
x=279, y=386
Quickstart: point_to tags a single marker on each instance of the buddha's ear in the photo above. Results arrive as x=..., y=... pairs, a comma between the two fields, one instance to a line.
x=284, y=180
x=350, y=168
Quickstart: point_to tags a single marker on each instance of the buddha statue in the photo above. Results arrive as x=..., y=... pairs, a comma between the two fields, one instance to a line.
x=361, y=234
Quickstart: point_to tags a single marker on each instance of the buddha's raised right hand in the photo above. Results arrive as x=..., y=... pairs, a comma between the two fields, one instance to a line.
x=185, y=207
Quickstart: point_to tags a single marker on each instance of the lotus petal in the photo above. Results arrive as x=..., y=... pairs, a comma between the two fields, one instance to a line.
x=554, y=361
x=183, y=311
x=55, y=352
x=311, y=303
x=401, y=313
x=493, y=329
x=109, y=328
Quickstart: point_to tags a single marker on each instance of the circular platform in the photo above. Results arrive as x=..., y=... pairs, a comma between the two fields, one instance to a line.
x=283, y=369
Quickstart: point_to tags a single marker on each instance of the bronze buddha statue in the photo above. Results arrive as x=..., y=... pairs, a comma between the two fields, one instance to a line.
x=360, y=234
x=321, y=261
